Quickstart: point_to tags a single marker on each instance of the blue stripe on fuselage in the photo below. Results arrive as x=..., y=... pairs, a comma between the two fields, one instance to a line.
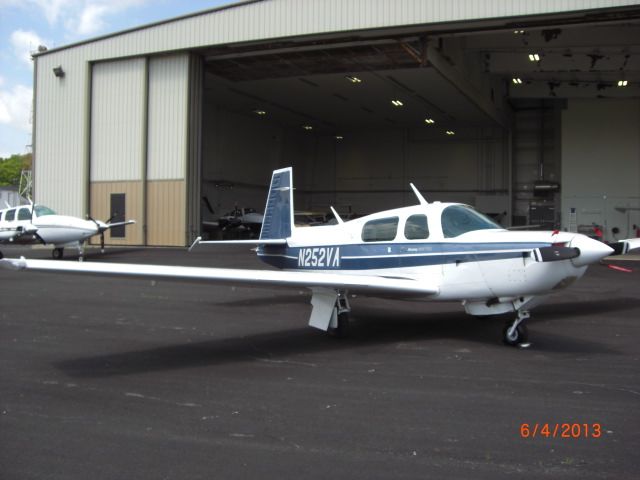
x=388, y=255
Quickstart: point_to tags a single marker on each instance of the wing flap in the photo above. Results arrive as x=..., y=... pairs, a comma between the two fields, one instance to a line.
x=364, y=284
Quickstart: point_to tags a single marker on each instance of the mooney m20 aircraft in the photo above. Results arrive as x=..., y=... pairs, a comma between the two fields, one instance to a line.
x=430, y=251
x=29, y=224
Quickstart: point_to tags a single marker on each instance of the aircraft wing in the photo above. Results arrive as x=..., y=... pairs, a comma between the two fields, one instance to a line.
x=623, y=246
x=363, y=284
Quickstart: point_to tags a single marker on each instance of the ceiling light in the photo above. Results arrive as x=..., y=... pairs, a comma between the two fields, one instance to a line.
x=397, y=103
x=259, y=112
x=450, y=132
x=516, y=81
x=622, y=83
x=534, y=57
x=307, y=127
x=353, y=79
x=338, y=137
x=518, y=32
x=430, y=121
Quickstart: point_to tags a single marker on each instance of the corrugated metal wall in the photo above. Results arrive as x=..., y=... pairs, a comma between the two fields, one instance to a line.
x=168, y=111
x=138, y=145
x=117, y=120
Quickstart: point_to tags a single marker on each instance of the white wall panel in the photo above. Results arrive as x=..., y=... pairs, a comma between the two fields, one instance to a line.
x=168, y=96
x=117, y=120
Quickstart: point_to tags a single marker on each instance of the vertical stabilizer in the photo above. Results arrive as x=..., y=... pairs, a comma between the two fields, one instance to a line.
x=278, y=213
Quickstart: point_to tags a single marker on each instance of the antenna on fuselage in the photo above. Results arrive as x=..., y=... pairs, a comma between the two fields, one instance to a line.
x=335, y=214
x=421, y=199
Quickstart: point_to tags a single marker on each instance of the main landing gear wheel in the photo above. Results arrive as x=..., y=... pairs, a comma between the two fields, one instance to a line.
x=342, y=330
x=57, y=253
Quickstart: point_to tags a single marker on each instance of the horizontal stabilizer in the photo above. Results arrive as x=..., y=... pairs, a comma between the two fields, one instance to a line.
x=270, y=241
x=364, y=284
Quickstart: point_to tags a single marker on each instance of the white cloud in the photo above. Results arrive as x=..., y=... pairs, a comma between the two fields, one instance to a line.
x=15, y=107
x=24, y=42
x=91, y=19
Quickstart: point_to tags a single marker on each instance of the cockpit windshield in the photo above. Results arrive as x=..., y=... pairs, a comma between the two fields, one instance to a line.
x=41, y=211
x=459, y=219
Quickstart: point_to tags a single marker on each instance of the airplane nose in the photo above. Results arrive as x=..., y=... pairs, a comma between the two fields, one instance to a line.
x=591, y=251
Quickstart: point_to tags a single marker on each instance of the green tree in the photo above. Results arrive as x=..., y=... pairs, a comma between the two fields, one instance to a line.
x=11, y=167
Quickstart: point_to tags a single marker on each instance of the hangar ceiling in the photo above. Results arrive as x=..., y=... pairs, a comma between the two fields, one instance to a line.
x=341, y=84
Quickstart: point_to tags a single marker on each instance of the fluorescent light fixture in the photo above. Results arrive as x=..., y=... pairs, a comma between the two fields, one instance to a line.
x=518, y=32
x=622, y=83
x=307, y=127
x=353, y=79
x=338, y=137
x=429, y=121
x=397, y=103
x=257, y=111
x=534, y=57
x=516, y=81
x=450, y=132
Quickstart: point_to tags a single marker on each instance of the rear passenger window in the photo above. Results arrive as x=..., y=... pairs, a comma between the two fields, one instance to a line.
x=381, y=230
x=10, y=216
x=416, y=227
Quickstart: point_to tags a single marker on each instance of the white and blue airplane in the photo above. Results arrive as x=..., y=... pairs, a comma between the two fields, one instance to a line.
x=37, y=224
x=431, y=251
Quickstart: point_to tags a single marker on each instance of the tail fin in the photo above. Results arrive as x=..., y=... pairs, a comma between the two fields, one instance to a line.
x=278, y=213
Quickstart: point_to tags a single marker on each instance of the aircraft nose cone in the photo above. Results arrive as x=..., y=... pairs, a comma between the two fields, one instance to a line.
x=591, y=251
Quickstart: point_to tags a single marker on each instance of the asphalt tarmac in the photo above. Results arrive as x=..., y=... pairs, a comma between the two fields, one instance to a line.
x=103, y=378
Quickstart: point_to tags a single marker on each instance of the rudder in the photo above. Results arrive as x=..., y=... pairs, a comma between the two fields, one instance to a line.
x=278, y=212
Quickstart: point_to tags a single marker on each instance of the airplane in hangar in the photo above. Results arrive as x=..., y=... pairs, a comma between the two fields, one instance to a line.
x=37, y=224
x=427, y=252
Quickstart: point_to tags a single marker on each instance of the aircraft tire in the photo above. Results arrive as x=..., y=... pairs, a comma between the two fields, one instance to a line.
x=342, y=329
x=57, y=253
x=519, y=336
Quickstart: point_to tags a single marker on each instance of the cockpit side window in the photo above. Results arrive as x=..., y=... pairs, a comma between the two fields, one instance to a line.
x=24, y=214
x=416, y=227
x=380, y=230
x=10, y=216
x=41, y=211
x=459, y=219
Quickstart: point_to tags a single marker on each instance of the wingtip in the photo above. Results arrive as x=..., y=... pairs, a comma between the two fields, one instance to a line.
x=13, y=263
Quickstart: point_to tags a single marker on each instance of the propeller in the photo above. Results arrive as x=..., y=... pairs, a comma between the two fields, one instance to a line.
x=555, y=253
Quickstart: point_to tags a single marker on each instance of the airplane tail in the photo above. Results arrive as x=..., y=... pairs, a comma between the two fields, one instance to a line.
x=278, y=221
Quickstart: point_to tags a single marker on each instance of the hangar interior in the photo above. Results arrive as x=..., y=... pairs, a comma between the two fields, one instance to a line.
x=479, y=121
x=534, y=119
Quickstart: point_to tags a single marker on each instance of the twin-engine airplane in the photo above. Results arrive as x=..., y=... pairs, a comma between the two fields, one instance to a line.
x=29, y=224
x=431, y=251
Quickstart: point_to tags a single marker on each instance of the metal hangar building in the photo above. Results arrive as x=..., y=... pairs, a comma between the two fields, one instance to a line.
x=529, y=110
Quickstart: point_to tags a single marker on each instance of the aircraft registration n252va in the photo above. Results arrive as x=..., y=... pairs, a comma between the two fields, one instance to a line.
x=430, y=251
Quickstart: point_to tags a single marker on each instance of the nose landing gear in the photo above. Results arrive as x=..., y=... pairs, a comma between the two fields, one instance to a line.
x=515, y=333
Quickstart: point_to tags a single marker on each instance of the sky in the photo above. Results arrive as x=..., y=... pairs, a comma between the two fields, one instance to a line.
x=26, y=24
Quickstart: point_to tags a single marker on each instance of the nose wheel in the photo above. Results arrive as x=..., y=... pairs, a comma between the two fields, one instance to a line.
x=57, y=253
x=516, y=333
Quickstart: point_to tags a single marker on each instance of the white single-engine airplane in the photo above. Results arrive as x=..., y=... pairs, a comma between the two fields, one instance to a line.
x=431, y=251
x=29, y=224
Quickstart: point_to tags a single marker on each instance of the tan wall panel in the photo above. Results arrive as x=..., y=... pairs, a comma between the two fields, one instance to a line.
x=166, y=210
x=100, y=210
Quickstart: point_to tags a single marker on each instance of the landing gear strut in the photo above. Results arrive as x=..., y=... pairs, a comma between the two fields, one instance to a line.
x=339, y=326
x=516, y=333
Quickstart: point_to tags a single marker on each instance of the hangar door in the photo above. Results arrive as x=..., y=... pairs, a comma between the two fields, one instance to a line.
x=142, y=132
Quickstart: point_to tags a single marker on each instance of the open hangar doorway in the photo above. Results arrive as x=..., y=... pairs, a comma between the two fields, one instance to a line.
x=357, y=119
x=528, y=120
